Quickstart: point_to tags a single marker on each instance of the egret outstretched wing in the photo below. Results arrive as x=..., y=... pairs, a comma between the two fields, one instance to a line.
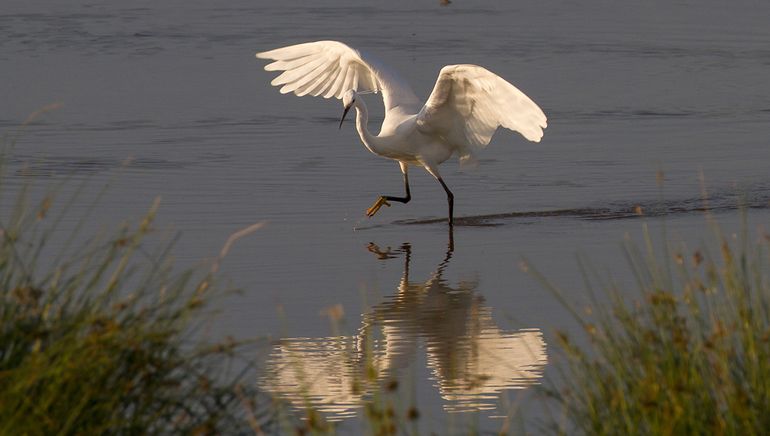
x=469, y=103
x=329, y=68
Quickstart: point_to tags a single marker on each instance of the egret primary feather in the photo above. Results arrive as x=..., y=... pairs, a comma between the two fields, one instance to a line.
x=467, y=106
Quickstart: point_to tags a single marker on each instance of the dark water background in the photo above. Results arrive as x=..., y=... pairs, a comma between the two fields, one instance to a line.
x=631, y=90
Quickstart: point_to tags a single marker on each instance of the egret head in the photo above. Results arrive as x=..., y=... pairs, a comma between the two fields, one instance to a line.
x=348, y=98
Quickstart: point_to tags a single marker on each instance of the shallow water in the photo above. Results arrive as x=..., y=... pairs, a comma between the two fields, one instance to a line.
x=168, y=100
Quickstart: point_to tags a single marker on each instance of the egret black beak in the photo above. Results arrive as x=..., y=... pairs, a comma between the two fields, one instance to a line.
x=347, y=109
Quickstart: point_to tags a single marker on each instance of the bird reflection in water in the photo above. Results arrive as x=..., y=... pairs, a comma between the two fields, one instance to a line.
x=471, y=359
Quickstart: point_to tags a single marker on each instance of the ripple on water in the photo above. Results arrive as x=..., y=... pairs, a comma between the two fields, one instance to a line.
x=754, y=197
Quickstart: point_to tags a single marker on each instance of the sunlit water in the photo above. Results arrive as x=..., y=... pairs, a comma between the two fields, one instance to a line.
x=166, y=99
x=471, y=360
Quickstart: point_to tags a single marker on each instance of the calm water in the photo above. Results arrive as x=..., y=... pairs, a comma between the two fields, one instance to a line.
x=168, y=100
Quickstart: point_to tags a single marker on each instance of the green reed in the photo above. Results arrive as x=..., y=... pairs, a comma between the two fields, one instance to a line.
x=102, y=336
x=686, y=352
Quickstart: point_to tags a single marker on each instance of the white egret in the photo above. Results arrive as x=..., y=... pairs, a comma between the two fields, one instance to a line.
x=467, y=105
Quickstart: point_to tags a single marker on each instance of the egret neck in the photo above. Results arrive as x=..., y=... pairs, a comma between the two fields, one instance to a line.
x=362, y=121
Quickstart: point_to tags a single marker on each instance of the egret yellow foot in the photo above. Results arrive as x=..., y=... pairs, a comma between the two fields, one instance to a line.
x=376, y=206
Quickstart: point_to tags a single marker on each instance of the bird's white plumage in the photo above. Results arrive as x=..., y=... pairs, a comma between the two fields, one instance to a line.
x=329, y=68
x=467, y=106
x=469, y=103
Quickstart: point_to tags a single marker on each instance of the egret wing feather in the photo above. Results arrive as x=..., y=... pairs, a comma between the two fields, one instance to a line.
x=469, y=103
x=329, y=68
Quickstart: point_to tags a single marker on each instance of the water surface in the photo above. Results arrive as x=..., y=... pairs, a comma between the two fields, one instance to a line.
x=168, y=100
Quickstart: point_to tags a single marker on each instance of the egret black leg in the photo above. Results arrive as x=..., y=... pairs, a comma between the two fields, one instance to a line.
x=401, y=199
x=384, y=199
x=450, y=198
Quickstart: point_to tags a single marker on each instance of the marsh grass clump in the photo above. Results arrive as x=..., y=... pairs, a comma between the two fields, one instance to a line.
x=689, y=354
x=104, y=343
x=99, y=336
